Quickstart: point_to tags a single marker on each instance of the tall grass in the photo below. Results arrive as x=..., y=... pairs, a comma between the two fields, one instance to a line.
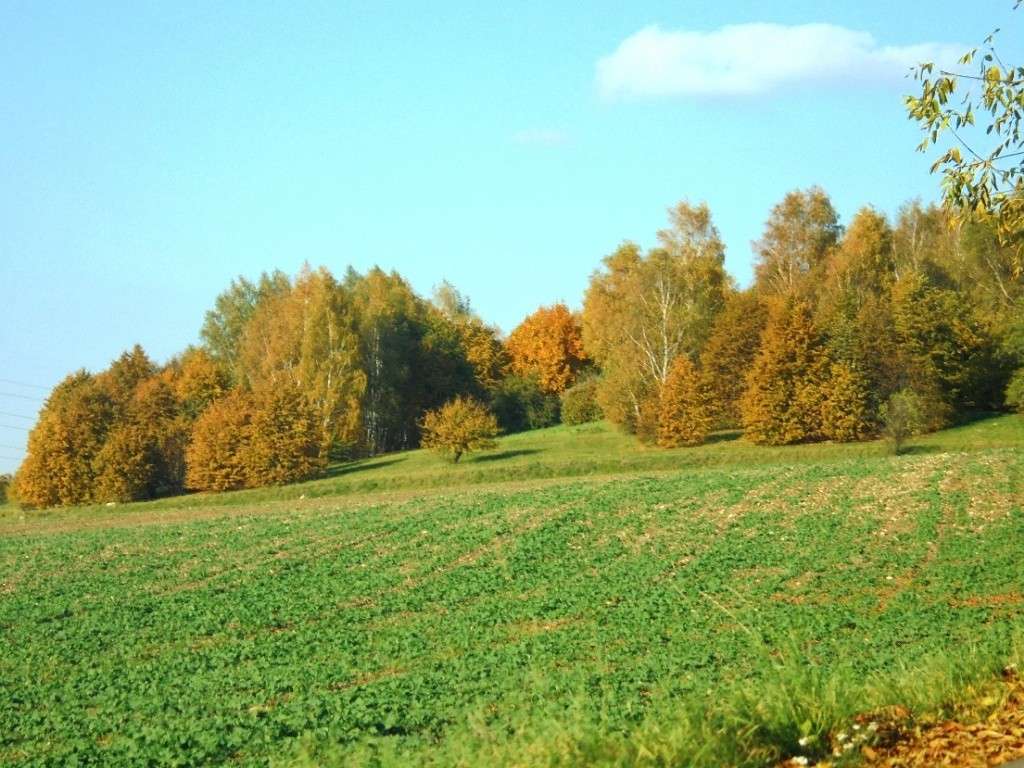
x=788, y=707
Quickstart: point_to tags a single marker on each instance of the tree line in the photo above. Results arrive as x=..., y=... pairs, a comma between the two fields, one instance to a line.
x=840, y=326
x=838, y=322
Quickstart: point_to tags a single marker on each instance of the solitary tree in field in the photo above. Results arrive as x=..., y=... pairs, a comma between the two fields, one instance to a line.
x=902, y=415
x=459, y=426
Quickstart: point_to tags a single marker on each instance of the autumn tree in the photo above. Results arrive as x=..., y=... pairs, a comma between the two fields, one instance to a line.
x=846, y=406
x=782, y=402
x=143, y=455
x=287, y=441
x=58, y=469
x=729, y=353
x=799, y=235
x=642, y=311
x=458, y=427
x=548, y=344
x=306, y=338
x=685, y=417
x=248, y=439
x=196, y=379
x=215, y=459
x=855, y=275
x=225, y=324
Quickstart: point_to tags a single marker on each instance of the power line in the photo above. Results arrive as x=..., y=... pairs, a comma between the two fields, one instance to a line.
x=13, y=447
x=14, y=426
x=24, y=397
x=12, y=458
x=23, y=384
x=17, y=416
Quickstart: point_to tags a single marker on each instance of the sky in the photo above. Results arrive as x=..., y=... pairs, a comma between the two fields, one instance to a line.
x=150, y=153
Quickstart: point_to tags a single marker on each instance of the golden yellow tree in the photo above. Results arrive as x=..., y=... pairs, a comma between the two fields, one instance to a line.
x=251, y=439
x=58, y=469
x=307, y=337
x=686, y=417
x=458, y=427
x=730, y=352
x=287, y=442
x=782, y=403
x=640, y=312
x=799, y=235
x=215, y=456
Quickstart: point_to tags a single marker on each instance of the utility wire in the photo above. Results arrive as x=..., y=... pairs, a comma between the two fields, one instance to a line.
x=14, y=426
x=17, y=416
x=24, y=397
x=12, y=458
x=23, y=384
x=12, y=447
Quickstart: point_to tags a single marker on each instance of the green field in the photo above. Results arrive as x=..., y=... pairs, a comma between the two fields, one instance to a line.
x=569, y=599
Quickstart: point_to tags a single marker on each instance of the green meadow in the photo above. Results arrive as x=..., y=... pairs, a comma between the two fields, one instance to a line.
x=570, y=598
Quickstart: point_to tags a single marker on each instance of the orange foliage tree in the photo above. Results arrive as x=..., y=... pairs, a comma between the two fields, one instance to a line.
x=251, y=439
x=549, y=345
x=729, y=353
x=215, y=458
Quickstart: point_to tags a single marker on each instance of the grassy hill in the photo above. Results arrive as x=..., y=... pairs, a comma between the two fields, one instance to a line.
x=569, y=599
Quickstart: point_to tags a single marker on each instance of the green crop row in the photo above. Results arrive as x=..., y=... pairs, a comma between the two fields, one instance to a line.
x=334, y=630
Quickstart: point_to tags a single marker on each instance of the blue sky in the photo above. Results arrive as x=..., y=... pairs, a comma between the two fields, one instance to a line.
x=152, y=152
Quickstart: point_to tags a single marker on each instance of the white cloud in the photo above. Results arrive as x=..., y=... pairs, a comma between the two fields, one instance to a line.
x=750, y=60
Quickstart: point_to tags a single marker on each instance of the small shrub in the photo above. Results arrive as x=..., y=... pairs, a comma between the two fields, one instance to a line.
x=903, y=416
x=459, y=426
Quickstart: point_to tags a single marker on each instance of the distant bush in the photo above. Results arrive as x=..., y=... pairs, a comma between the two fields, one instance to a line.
x=579, y=403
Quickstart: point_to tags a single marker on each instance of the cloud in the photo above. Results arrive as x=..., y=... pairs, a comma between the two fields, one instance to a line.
x=542, y=138
x=751, y=60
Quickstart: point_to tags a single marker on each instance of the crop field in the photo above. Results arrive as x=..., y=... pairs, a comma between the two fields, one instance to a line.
x=518, y=623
